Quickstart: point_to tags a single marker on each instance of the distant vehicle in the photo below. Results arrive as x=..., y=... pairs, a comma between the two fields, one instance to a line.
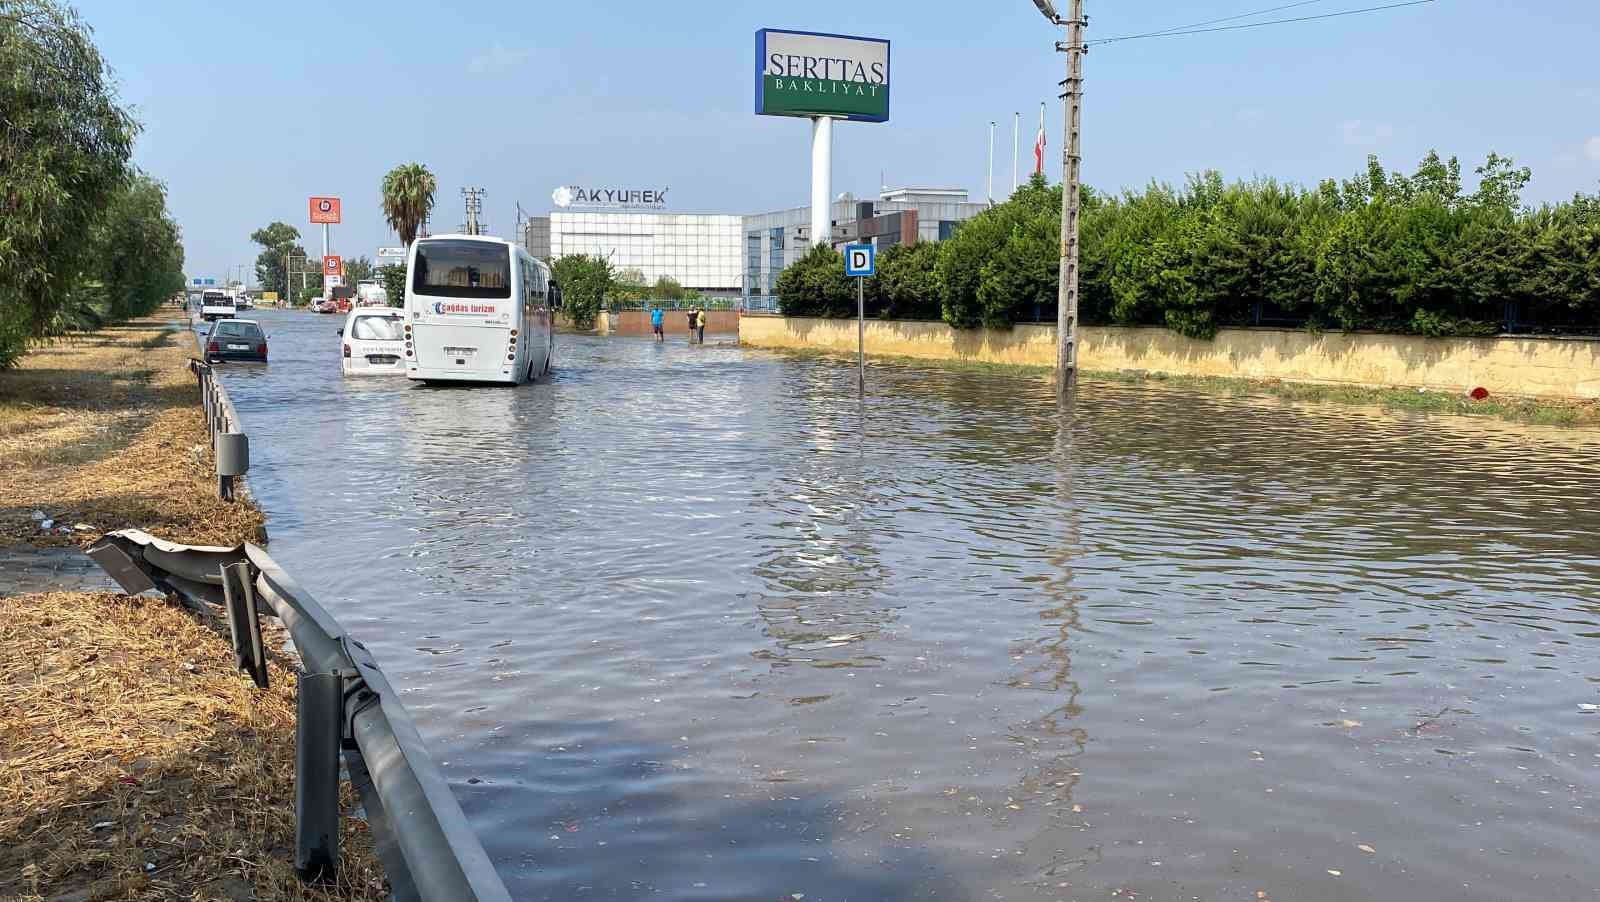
x=373, y=341
x=243, y=302
x=478, y=309
x=369, y=293
x=215, y=305
x=236, y=339
x=320, y=305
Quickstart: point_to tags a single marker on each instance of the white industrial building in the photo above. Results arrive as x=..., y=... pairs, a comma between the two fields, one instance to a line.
x=699, y=250
x=742, y=255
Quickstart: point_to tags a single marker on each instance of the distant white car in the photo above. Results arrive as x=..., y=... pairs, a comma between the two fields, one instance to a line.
x=373, y=340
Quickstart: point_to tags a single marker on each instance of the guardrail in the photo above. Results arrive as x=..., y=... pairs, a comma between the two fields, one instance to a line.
x=228, y=439
x=345, y=705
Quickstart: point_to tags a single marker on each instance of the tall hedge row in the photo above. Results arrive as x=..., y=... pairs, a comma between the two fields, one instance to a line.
x=1383, y=251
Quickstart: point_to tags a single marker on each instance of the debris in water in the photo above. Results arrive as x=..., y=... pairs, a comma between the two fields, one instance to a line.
x=47, y=524
x=38, y=515
x=1336, y=873
x=1366, y=848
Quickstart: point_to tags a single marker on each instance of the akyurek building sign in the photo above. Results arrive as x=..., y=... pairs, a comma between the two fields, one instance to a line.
x=801, y=73
x=581, y=196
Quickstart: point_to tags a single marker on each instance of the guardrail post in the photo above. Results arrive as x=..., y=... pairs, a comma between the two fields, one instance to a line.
x=244, y=623
x=318, y=731
x=233, y=459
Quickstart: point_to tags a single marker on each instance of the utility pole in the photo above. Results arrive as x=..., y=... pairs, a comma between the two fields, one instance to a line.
x=474, y=202
x=1067, y=287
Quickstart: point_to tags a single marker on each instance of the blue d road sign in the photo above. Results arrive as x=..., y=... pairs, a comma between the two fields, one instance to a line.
x=860, y=260
x=197, y=281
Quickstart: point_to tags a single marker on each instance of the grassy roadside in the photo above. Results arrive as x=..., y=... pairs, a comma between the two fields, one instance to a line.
x=1540, y=411
x=135, y=761
x=104, y=430
x=141, y=765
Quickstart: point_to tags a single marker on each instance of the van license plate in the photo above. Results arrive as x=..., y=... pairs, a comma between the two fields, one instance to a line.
x=460, y=352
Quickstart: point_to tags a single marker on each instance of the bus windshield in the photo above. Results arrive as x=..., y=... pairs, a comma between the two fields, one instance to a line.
x=462, y=269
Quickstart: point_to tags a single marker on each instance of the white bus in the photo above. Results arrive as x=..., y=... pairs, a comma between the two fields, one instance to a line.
x=478, y=309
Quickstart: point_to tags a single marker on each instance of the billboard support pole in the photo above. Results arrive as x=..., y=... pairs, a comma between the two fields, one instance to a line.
x=821, y=180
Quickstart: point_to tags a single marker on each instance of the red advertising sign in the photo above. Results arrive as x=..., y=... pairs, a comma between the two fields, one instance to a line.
x=324, y=210
x=332, y=266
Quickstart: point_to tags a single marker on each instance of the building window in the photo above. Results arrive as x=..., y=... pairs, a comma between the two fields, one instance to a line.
x=947, y=228
x=752, y=263
x=774, y=259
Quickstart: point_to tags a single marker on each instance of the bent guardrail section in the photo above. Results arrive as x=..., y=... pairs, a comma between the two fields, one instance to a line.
x=228, y=439
x=345, y=705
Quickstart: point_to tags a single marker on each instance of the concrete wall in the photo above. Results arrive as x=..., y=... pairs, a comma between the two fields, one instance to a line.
x=1538, y=367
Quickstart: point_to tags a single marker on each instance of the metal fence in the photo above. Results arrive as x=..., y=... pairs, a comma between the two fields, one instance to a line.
x=228, y=439
x=346, y=706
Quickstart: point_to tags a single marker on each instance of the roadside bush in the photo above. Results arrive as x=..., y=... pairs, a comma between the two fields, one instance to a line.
x=815, y=285
x=584, y=282
x=905, y=286
x=1382, y=250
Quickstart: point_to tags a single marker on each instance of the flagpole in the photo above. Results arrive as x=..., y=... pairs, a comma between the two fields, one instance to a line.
x=1016, y=127
x=1041, y=136
x=990, y=183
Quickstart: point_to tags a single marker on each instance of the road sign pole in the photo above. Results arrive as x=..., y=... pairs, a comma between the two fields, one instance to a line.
x=861, y=261
x=861, y=335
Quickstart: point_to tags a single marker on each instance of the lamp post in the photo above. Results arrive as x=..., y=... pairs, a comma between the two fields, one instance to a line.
x=1067, y=286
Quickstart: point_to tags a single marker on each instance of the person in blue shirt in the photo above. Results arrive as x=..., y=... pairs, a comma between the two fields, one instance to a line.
x=655, y=323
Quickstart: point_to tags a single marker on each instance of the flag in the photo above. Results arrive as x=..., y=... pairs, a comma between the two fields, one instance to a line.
x=1038, y=145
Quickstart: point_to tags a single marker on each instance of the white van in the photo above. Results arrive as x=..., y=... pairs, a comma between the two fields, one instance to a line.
x=373, y=339
x=478, y=309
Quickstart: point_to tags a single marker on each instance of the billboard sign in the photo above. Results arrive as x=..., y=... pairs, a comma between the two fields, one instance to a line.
x=391, y=256
x=324, y=211
x=332, y=266
x=802, y=73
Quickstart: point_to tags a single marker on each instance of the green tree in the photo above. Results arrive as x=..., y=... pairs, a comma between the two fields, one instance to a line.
x=584, y=281
x=408, y=191
x=277, y=240
x=138, y=250
x=64, y=147
x=815, y=285
x=393, y=278
x=357, y=269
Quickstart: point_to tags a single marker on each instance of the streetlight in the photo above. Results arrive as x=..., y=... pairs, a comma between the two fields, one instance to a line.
x=1067, y=286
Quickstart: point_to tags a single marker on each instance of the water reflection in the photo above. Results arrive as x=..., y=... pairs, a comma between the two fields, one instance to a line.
x=700, y=623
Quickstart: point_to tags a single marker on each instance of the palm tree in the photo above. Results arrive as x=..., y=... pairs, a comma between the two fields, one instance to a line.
x=408, y=199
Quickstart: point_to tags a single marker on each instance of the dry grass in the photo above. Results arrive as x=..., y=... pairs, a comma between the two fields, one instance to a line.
x=105, y=429
x=141, y=765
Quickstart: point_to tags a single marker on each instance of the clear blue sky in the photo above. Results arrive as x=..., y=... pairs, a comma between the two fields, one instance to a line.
x=249, y=108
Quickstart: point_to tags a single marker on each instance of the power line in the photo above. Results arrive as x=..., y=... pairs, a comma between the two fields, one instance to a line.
x=1259, y=12
x=1172, y=33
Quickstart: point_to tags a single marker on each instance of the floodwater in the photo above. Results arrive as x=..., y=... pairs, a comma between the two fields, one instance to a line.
x=694, y=623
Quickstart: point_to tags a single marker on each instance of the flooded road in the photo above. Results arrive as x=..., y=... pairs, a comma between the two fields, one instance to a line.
x=693, y=623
